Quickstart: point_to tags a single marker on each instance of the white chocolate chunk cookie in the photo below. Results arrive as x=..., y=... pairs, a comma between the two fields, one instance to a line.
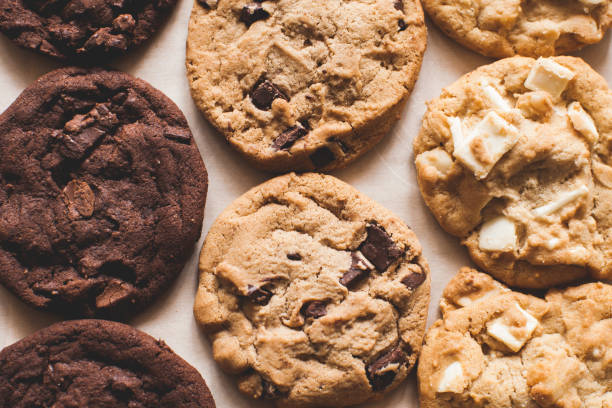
x=505, y=349
x=503, y=28
x=304, y=84
x=514, y=159
x=312, y=293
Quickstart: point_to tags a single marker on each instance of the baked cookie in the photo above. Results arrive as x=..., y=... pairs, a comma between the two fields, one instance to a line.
x=81, y=28
x=102, y=190
x=531, y=28
x=304, y=84
x=97, y=364
x=313, y=293
x=514, y=158
x=498, y=348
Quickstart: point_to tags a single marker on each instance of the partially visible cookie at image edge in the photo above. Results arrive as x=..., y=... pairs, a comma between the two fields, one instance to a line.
x=79, y=28
x=97, y=363
x=529, y=28
x=496, y=347
x=304, y=84
x=312, y=293
x=102, y=192
x=514, y=159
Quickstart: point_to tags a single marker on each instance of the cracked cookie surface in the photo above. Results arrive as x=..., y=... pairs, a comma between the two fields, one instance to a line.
x=504, y=349
x=81, y=28
x=503, y=28
x=304, y=84
x=97, y=364
x=514, y=158
x=102, y=191
x=312, y=293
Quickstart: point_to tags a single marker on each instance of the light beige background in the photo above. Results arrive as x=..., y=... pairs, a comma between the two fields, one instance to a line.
x=386, y=174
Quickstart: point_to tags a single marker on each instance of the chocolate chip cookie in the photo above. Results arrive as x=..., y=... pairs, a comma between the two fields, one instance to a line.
x=313, y=294
x=102, y=190
x=503, y=28
x=81, y=28
x=304, y=84
x=498, y=348
x=514, y=158
x=97, y=364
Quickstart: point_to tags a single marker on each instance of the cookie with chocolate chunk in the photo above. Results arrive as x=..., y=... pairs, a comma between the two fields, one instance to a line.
x=81, y=28
x=514, y=159
x=304, y=84
x=97, y=364
x=497, y=348
x=503, y=28
x=312, y=294
x=102, y=190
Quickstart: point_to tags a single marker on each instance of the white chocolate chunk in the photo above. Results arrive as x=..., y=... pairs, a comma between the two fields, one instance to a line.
x=513, y=337
x=552, y=243
x=603, y=173
x=452, y=379
x=547, y=75
x=582, y=122
x=562, y=201
x=482, y=148
x=436, y=158
x=495, y=98
x=497, y=234
x=467, y=300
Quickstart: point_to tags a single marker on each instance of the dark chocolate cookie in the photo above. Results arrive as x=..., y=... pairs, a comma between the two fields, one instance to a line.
x=102, y=190
x=97, y=364
x=69, y=28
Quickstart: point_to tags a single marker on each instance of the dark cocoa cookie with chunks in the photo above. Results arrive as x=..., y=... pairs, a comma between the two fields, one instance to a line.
x=312, y=293
x=81, y=28
x=102, y=190
x=304, y=85
x=97, y=364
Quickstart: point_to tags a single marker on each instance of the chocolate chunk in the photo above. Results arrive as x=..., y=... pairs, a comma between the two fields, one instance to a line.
x=264, y=93
x=79, y=198
x=399, y=5
x=253, y=12
x=379, y=248
x=314, y=309
x=182, y=135
x=360, y=268
x=286, y=139
x=294, y=257
x=261, y=296
x=115, y=292
x=401, y=24
x=322, y=157
x=104, y=40
x=414, y=280
x=75, y=146
x=208, y=4
x=124, y=23
x=382, y=372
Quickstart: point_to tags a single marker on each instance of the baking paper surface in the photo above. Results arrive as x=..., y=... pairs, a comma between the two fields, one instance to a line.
x=386, y=174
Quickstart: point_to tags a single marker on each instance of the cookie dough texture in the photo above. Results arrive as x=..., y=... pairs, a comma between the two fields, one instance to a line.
x=498, y=348
x=97, y=364
x=81, y=28
x=102, y=190
x=503, y=28
x=304, y=84
x=514, y=159
x=313, y=294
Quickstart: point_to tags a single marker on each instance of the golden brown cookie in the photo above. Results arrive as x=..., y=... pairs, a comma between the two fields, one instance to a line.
x=313, y=294
x=514, y=159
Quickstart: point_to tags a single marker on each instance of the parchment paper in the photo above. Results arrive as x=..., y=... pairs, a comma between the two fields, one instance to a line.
x=386, y=174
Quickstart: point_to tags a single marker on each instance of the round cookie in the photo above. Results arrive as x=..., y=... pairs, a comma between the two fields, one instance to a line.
x=312, y=293
x=498, y=348
x=304, y=84
x=81, y=28
x=97, y=364
x=530, y=28
x=514, y=158
x=102, y=190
